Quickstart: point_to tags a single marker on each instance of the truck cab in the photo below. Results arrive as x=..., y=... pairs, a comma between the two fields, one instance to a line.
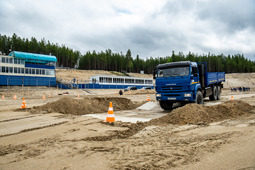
x=184, y=82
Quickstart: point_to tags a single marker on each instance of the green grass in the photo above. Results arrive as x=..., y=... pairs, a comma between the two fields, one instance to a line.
x=117, y=73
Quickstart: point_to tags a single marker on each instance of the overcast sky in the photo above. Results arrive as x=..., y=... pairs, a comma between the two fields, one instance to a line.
x=146, y=27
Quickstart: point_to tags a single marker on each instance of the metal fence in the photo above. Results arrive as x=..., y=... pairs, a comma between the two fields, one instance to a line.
x=27, y=81
x=24, y=85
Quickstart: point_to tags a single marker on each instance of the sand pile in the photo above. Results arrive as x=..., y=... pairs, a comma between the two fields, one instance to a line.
x=143, y=92
x=199, y=114
x=188, y=114
x=87, y=105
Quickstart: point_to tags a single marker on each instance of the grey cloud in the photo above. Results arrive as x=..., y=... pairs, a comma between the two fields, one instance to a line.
x=153, y=42
x=98, y=25
x=236, y=15
x=24, y=19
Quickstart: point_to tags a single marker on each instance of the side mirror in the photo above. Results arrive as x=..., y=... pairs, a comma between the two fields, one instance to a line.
x=154, y=73
x=195, y=71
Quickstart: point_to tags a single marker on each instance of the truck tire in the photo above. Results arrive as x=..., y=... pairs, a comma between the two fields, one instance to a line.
x=166, y=105
x=218, y=92
x=214, y=94
x=199, y=98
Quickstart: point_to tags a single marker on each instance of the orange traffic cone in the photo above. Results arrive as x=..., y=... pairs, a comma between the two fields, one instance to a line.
x=148, y=98
x=3, y=97
x=43, y=96
x=23, y=104
x=49, y=95
x=232, y=98
x=78, y=95
x=110, y=115
x=14, y=97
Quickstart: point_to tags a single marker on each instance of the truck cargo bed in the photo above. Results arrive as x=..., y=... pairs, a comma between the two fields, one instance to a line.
x=214, y=77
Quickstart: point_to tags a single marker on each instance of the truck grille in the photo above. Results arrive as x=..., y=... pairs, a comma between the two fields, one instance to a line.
x=171, y=95
x=171, y=87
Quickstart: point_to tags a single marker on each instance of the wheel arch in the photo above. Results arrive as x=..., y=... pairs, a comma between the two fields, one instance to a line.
x=198, y=87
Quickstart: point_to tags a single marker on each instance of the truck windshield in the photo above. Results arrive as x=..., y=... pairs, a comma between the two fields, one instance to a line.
x=173, y=72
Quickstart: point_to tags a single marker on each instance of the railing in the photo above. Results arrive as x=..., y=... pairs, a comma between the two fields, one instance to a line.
x=61, y=82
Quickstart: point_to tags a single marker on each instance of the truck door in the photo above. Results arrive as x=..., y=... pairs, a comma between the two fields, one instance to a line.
x=194, y=75
x=202, y=70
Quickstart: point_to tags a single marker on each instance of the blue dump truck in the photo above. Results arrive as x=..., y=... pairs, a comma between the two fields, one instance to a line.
x=186, y=82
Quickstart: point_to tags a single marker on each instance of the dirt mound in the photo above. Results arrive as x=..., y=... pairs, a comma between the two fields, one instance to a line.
x=144, y=92
x=188, y=114
x=88, y=105
x=199, y=114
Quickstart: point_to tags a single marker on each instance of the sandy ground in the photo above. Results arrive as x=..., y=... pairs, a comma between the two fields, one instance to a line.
x=240, y=80
x=53, y=140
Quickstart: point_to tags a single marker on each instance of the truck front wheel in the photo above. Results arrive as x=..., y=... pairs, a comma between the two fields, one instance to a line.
x=199, y=98
x=166, y=105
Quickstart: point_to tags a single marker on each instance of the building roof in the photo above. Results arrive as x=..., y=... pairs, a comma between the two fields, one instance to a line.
x=32, y=56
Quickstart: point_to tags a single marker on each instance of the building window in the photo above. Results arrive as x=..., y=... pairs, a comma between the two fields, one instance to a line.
x=94, y=80
x=105, y=79
x=129, y=81
x=28, y=70
x=10, y=70
x=148, y=81
x=139, y=81
x=3, y=59
x=10, y=60
x=108, y=80
x=118, y=80
x=51, y=72
x=100, y=79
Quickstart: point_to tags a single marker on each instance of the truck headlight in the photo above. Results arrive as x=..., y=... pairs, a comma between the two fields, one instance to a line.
x=187, y=95
x=158, y=95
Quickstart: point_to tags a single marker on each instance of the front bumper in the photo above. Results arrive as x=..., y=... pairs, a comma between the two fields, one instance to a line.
x=176, y=97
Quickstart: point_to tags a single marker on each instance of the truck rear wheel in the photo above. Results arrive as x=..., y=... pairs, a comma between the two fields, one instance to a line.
x=199, y=98
x=218, y=92
x=214, y=93
x=166, y=105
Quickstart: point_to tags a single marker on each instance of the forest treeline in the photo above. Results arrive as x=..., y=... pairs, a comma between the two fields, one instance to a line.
x=107, y=60
x=117, y=62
